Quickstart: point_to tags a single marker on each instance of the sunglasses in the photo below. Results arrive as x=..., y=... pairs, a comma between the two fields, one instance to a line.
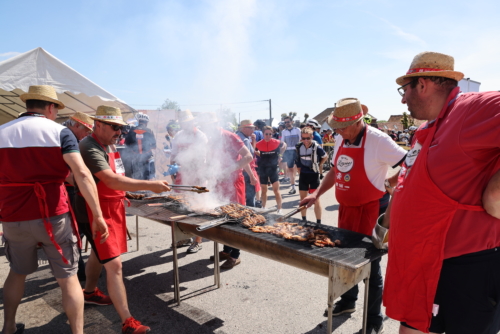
x=268, y=134
x=115, y=127
x=306, y=138
x=287, y=122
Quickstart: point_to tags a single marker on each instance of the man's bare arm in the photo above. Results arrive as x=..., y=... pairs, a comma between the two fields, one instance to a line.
x=87, y=187
x=120, y=182
x=246, y=156
x=491, y=196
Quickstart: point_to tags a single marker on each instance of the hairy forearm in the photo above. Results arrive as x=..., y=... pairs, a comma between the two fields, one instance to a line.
x=491, y=196
x=87, y=187
x=120, y=182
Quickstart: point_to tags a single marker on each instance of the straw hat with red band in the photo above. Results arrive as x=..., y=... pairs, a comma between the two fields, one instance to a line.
x=246, y=123
x=109, y=114
x=431, y=64
x=42, y=93
x=83, y=119
x=347, y=112
x=185, y=116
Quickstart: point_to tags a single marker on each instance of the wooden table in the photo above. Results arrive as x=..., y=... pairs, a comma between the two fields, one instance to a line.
x=344, y=266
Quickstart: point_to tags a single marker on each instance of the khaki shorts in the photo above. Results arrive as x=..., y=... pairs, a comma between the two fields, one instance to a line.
x=21, y=240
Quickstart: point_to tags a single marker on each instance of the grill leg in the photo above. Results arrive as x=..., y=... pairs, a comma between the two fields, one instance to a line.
x=177, y=295
x=216, y=265
x=365, y=303
x=329, y=326
x=137, y=231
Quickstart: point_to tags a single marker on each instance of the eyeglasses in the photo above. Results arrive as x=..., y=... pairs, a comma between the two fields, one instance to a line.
x=306, y=138
x=401, y=91
x=115, y=127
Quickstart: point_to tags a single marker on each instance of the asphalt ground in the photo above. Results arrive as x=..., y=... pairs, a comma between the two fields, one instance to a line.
x=257, y=296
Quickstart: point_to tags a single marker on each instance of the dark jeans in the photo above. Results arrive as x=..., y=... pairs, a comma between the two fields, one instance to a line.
x=249, y=191
x=374, y=295
x=234, y=252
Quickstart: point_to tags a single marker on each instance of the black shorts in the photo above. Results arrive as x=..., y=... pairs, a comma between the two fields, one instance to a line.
x=308, y=181
x=468, y=295
x=87, y=231
x=289, y=157
x=268, y=174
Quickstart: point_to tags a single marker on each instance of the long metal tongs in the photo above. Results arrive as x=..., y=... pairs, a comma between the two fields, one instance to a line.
x=196, y=189
x=291, y=213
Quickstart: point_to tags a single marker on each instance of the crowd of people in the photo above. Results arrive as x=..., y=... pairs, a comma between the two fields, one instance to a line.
x=61, y=182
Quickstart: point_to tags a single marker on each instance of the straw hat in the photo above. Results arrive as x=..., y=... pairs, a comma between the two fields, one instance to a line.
x=83, y=119
x=246, y=123
x=42, y=93
x=109, y=114
x=207, y=118
x=431, y=64
x=185, y=116
x=347, y=112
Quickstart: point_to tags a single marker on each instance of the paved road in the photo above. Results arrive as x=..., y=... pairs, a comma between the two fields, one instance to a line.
x=258, y=296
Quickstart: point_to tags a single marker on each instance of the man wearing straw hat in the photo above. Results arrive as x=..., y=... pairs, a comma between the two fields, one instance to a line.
x=361, y=162
x=189, y=148
x=35, y=153
x=443, y=273
x=100, y=156
x=252, y=186
x=228, y=156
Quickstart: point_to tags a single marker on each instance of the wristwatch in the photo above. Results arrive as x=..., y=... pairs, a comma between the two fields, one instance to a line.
x=387, y=184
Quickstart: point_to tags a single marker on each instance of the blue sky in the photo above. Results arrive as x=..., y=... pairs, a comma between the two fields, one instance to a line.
x=304, y=55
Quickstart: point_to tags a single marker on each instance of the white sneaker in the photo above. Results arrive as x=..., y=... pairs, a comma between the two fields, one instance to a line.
x=278, y=212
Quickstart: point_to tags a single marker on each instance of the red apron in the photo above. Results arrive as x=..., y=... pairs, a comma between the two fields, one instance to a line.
x=113, y=211
x=44, y=211
x=357, y=196
x=233, y=188
x=420, y=219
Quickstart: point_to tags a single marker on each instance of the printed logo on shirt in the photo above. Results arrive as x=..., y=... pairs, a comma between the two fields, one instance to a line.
x=339, y=176
x=120, y=168
x=413, y=154
x=345, y=163
x=347, y=178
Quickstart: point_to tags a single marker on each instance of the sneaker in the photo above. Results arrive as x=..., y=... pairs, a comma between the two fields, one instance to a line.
x=194, y=248
x=278, y=212
x=185, y=242
x=258, y=204
x=19, y=328
x=340, y=308
x=97, y=298
x=222, y=256
x=132, y=326
x=374, y=329
x=230, y=263
x=285, y=180
x=292, y=192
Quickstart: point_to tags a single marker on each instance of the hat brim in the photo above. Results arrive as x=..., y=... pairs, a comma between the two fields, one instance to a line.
x=31, y=96
x=341, y=125
x=445, y=74
x=82, y=123
x=114, y=121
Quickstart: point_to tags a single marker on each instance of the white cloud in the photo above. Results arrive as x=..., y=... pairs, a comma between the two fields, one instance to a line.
x=10, y=54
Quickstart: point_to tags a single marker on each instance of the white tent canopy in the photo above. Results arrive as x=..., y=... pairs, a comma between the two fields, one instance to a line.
x=38, y=67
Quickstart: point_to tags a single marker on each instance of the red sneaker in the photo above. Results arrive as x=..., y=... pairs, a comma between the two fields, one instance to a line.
x=97, y=298
x=132, y=326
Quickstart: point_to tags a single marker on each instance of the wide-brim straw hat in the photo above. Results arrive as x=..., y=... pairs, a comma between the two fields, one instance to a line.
x=347, y=112
x=109, y=114
x=185, y=116
x=42, y=93
x=207, y=118
x=431, y=64
x=246, y=123
x=83, y=119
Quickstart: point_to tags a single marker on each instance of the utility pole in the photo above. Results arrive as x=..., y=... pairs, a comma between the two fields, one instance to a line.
x=270, y=114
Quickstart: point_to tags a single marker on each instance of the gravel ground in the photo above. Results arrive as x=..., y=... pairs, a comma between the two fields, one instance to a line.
x=258, y=296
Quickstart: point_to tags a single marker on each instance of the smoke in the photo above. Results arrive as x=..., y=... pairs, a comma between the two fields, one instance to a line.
x=205, y=159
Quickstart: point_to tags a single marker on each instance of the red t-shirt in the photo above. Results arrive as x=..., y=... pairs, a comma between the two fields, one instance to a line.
x=463, y=156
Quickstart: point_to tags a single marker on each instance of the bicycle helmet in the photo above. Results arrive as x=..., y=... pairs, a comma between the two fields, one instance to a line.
x=173, y=126
x=314, y=123
x=142, y=117
x=412, y=128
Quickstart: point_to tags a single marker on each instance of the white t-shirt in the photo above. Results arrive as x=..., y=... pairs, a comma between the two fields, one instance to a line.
x=381, y=152
x=290, y=137
x=189, y=147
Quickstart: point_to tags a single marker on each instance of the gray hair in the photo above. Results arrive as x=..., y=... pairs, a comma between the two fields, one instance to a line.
x=69, y=122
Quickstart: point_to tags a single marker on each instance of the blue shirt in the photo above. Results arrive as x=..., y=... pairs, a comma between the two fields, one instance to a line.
x=258, y=135
x=317, y=138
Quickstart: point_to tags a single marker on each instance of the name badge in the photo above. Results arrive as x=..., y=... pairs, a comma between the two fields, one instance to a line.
x=138, y=136
x=413, y=154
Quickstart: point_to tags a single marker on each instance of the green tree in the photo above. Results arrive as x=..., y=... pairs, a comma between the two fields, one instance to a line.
x=306, y=116
x=407, y=120
x=171, y=105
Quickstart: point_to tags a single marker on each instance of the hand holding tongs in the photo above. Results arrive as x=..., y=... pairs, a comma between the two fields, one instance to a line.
x=291, y=213
x=196, y=189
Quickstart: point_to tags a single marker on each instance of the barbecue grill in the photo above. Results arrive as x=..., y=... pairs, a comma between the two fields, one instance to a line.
x=345, y=266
